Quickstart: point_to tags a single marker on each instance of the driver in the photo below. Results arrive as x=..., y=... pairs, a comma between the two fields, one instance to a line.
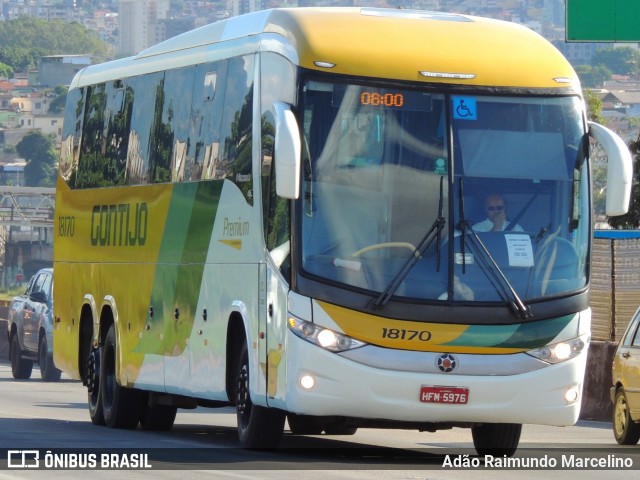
x=496, y=221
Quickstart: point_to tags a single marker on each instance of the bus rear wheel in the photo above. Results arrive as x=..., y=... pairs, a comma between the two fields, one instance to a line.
x=121, y=406
x=93, y=387
x=497, y=439
x=258, y=427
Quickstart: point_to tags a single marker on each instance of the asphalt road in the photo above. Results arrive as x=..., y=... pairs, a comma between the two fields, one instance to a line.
x=52, y=417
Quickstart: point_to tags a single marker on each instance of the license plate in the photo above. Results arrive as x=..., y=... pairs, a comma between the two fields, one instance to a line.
x=441, y=394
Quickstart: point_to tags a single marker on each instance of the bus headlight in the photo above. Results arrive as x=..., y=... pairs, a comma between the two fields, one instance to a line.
x=561, y=351
x=323, y=337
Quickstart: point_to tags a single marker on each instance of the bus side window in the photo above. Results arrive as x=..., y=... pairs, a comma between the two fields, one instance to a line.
x=72, y=135
x=172, y=131
x=237, y=122
x=140, y=151
x=206, y=114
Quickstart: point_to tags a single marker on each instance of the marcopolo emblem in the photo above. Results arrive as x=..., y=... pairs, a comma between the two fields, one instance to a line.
x=447, y=363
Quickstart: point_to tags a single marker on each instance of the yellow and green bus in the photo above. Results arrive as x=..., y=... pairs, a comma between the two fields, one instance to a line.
x=286, y=212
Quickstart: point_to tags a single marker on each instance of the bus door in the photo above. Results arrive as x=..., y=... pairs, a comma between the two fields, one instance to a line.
x=273, y=318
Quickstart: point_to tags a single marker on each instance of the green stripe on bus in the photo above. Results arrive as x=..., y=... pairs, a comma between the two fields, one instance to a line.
x=181, y=261
x=538, y=334
x=522, y=335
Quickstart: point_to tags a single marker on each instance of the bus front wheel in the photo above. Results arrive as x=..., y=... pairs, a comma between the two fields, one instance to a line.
x=497, y=439
x=258, y=427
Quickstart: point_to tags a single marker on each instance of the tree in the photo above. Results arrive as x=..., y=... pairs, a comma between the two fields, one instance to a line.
x=597, y=154
x=39, y=151
x=599, y=172
x=594, y=106
x=25, y=39
x=621, y=61
x=593, y=77
x=5, y=70
x=631, y=220
x=19, y=58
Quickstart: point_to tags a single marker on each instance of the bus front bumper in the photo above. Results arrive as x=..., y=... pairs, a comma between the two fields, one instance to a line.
x=322, y=383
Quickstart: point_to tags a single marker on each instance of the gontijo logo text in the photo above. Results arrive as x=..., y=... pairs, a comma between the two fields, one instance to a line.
x=121, y=225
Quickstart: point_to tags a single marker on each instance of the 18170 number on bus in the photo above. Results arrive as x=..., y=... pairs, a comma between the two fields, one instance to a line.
x=402, y=334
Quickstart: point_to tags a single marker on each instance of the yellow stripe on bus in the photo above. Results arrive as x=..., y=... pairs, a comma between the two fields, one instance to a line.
x=405, y=335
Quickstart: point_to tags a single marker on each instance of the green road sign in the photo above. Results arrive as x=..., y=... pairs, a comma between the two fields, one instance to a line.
x=602, y=21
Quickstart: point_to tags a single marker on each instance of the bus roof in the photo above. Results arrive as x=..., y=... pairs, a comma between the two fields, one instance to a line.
x=382, y=43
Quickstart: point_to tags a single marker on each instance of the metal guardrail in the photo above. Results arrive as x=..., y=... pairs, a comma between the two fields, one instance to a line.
x=27, y=206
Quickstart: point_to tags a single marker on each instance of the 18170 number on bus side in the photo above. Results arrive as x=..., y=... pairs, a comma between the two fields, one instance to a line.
x=402, y=334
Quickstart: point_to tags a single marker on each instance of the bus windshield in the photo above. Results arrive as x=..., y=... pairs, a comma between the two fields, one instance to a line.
x=424, y=196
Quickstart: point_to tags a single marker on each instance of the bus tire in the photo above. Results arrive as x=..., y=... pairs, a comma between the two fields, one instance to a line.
x=157, y=418
x=48, y=371
x=93, y=387
x=21, y=367
x=258, y=427
x=625, y=430
x=121, y=406
x=497, y=439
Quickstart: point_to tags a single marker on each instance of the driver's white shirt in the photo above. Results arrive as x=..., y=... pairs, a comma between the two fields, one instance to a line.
x=487, y=225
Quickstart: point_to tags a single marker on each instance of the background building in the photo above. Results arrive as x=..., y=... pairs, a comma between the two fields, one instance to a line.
x=140, y=24
x=54, y=70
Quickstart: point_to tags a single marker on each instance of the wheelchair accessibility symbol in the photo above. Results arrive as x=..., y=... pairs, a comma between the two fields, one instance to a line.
x=465, y=108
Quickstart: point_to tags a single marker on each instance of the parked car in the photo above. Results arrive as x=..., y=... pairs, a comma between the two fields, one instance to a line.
x=30, y=329
x=625, y=392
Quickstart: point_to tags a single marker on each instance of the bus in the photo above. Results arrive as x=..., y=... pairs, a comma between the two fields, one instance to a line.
x=278, y=213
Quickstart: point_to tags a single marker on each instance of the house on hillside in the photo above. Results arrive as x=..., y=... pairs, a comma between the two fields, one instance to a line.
x=47, y=124
x=627, y=102
x=12, y=173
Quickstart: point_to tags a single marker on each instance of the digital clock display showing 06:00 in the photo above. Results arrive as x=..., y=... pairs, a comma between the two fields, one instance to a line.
x=376, y=99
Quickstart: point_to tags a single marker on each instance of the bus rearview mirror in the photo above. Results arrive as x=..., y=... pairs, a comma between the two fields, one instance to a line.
x=286, y=151
x=619, y=169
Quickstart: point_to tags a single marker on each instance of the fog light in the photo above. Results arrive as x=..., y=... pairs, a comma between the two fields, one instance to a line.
x=571, y=395
x=307, y=382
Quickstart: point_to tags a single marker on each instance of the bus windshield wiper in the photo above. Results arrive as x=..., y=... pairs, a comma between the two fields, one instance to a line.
x=487, y=263
x=434, y=233
x=496, y=276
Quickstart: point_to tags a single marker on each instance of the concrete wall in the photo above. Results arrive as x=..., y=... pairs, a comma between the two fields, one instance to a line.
x=596, y=403
x=615, y=282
